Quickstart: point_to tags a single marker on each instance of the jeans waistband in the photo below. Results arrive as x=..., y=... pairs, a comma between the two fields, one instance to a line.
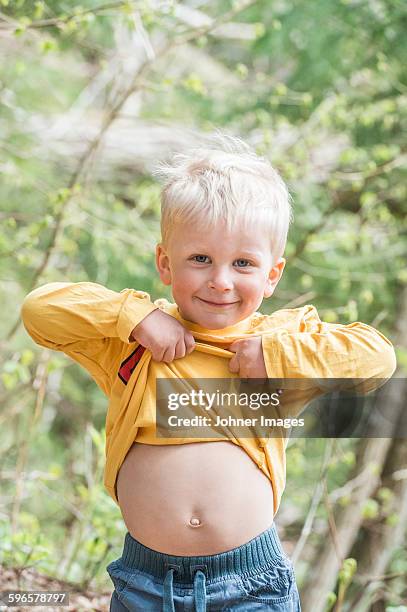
x=262, y=551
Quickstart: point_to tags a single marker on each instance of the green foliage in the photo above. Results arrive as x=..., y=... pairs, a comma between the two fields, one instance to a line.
x=330, y=601
x=345, y=576
x=370, y=509
x=347, y=572
x=319, y=89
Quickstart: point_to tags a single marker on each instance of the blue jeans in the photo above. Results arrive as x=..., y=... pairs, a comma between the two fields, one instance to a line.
x=255, y=576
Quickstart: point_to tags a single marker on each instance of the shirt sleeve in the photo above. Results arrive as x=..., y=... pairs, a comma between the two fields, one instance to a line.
x=87, y=322
x=328, y=350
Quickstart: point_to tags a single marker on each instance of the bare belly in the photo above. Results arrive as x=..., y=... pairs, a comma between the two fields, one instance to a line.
x=199, y=498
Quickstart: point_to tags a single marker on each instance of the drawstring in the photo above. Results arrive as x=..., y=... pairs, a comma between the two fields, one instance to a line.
x=199, y=591
x=168, y=601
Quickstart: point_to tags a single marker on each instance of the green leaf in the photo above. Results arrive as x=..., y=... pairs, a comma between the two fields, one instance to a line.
x=127, y=8
x=330, y=601
x=242, y=71
x=194, y=83
x=48, y=45
x=281, y=89
x=39, y=9
x=366, y=295
x=97, y=438
x=352, y=309
x=306, y=281
x=344, y=501
x=349, y=458
x=9, y=380
x=370, y=509
x=402, y=276
x=392, y=519
x=259, y=30
x=330, y=316
x=401, y=355
x=202, y=41
x=20, y=30
x=55, y=469
x=307, y=99
x=346, y=573
x=385, y=494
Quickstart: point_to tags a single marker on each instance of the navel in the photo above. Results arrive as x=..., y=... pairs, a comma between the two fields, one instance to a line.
x=194, y=522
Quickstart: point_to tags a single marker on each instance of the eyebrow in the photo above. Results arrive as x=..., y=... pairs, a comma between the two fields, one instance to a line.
x=243, y=253
x=251, y=253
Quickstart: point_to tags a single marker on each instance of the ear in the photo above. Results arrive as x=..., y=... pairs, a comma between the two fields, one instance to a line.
x=274, y=276
x=162, y=263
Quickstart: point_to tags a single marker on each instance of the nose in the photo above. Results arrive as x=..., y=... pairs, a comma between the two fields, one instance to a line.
x=220, y=280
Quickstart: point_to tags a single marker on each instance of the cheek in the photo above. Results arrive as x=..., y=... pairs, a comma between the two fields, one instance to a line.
x=252, y=287
x=185, y=282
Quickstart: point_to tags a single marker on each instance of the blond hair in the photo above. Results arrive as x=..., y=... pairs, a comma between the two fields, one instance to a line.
x=224, y=180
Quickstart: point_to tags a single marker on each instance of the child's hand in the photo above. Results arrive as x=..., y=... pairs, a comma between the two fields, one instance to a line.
x=164, y=336
x=248, y=360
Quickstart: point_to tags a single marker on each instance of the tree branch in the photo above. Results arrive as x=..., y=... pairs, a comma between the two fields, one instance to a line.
x=57, y=21
x=87, y=157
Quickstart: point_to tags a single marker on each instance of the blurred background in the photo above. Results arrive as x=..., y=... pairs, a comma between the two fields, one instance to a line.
x=91, y=97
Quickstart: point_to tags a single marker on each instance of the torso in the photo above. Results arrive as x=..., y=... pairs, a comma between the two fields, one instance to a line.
x=199, y=498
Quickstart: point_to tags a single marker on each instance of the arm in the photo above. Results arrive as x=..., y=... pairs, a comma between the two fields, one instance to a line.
x=328, y=350
x=86, y=321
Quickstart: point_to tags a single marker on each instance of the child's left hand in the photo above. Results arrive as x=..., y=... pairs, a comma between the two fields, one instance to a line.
x=248, y=360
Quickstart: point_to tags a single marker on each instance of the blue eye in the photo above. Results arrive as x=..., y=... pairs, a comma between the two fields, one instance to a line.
x=200, y=258
x=245, y=261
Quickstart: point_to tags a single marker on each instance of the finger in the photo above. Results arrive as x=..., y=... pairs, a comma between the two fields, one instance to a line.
x=234, y=346
x=234, y=364
x=189, y=343
x=169, y=354
x=157, y=355
x=180, y=349
x=157, y=352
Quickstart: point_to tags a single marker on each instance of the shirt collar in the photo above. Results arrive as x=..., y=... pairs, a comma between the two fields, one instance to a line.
x=226, y=334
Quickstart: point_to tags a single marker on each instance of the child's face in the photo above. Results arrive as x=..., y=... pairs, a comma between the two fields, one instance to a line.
x=218, y=278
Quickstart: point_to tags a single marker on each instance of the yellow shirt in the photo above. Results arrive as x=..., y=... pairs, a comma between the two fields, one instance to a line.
x=92, y=324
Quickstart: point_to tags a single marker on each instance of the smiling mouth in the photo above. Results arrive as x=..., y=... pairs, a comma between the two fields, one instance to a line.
x=219, y=304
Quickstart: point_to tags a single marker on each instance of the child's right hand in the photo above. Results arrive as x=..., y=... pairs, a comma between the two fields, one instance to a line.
x=164, y=336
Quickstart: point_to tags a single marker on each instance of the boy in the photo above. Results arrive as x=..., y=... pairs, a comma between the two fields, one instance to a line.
x=199, y=516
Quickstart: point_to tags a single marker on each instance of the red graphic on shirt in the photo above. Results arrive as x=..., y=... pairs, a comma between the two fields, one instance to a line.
x=128, y=365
